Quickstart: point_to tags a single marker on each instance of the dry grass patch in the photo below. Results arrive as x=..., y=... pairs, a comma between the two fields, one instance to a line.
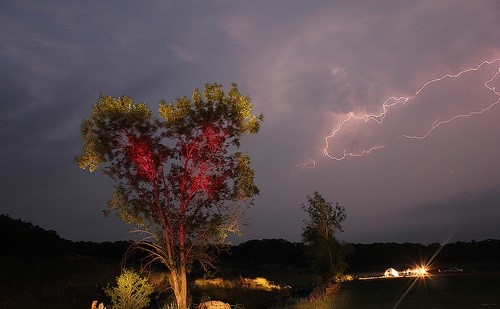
x=246, y=292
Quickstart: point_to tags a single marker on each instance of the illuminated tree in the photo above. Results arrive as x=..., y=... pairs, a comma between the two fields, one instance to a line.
x=324, y=252
x=178, y=176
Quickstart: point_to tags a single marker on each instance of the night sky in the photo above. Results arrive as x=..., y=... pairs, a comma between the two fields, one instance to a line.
x=425, y=167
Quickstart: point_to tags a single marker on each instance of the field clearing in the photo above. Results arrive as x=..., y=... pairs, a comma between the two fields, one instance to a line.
x=466, y=290
x=56, y=283
x=75, y=282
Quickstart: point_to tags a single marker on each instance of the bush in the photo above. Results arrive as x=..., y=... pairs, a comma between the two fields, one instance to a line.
x=132, y=292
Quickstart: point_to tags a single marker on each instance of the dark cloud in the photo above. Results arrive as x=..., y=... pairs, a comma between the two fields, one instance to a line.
x=462, y=216
x=305, y=65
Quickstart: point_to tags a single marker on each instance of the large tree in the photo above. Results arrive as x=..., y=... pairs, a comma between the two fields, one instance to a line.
x=323, y=251
x=178, y=176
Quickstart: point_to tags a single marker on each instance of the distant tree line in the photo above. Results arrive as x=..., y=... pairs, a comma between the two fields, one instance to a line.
x=474, y=255
x=479, y=255
x=25, y=240
x=266, y=251
x=111, y=250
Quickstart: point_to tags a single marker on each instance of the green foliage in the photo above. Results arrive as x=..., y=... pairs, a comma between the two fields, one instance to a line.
x=178, y=176
x=188, y=151
x=109, y=119
x=131, y=292
x=324, y=252
x=233, y=112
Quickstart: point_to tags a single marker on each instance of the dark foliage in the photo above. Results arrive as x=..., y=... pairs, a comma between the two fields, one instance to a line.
x=268, y=251
x=111, y=250
x=476, y=255
x=25, y=240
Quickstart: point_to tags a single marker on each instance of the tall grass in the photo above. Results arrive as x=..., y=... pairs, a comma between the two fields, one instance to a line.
x=242, y=292
x=335, y=301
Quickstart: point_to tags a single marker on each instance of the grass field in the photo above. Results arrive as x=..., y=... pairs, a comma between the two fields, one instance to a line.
x=54, y=283
x=468, y=290
x=75, y=282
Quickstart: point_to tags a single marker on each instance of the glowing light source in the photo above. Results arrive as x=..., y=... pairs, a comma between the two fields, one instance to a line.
x=421, y=271
x=416, y=271
x=391, y=272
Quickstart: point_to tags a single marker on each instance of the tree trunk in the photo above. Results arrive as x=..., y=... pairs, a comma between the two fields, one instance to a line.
x=178, y=283
x=179, y=277
x=182, y=303
x=183, y=288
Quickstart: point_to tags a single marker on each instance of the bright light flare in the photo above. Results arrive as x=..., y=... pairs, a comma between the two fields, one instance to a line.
x=422, y=274
x=421, y=271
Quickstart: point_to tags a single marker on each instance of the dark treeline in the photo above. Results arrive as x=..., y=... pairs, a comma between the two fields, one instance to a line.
x=25, y=240
x=474, y=255
x=266, y=251
x=111, y=250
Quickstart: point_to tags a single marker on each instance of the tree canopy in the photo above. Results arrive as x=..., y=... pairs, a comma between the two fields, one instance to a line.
x=179, y=175
x=324, y=252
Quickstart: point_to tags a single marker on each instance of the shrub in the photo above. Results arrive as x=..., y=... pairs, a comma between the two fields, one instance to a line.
x=132, y=292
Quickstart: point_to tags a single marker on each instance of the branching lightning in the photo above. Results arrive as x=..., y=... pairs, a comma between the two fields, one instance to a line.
x=394, y=101
x=438, y=122
x=352, y=154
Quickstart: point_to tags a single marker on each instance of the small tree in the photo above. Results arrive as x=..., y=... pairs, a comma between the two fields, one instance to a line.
x=131, y=292
x=325, y=253
x=177, y=176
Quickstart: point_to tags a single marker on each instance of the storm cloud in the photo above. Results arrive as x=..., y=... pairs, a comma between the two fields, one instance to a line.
x=306, y=66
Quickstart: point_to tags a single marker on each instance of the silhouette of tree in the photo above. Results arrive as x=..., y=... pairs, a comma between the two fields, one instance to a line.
x=325, y=253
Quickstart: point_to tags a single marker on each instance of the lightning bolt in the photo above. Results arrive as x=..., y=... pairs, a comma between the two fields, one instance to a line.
x=311, y=163
x=438, y=122
x=400, y=101
x=352, y=154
